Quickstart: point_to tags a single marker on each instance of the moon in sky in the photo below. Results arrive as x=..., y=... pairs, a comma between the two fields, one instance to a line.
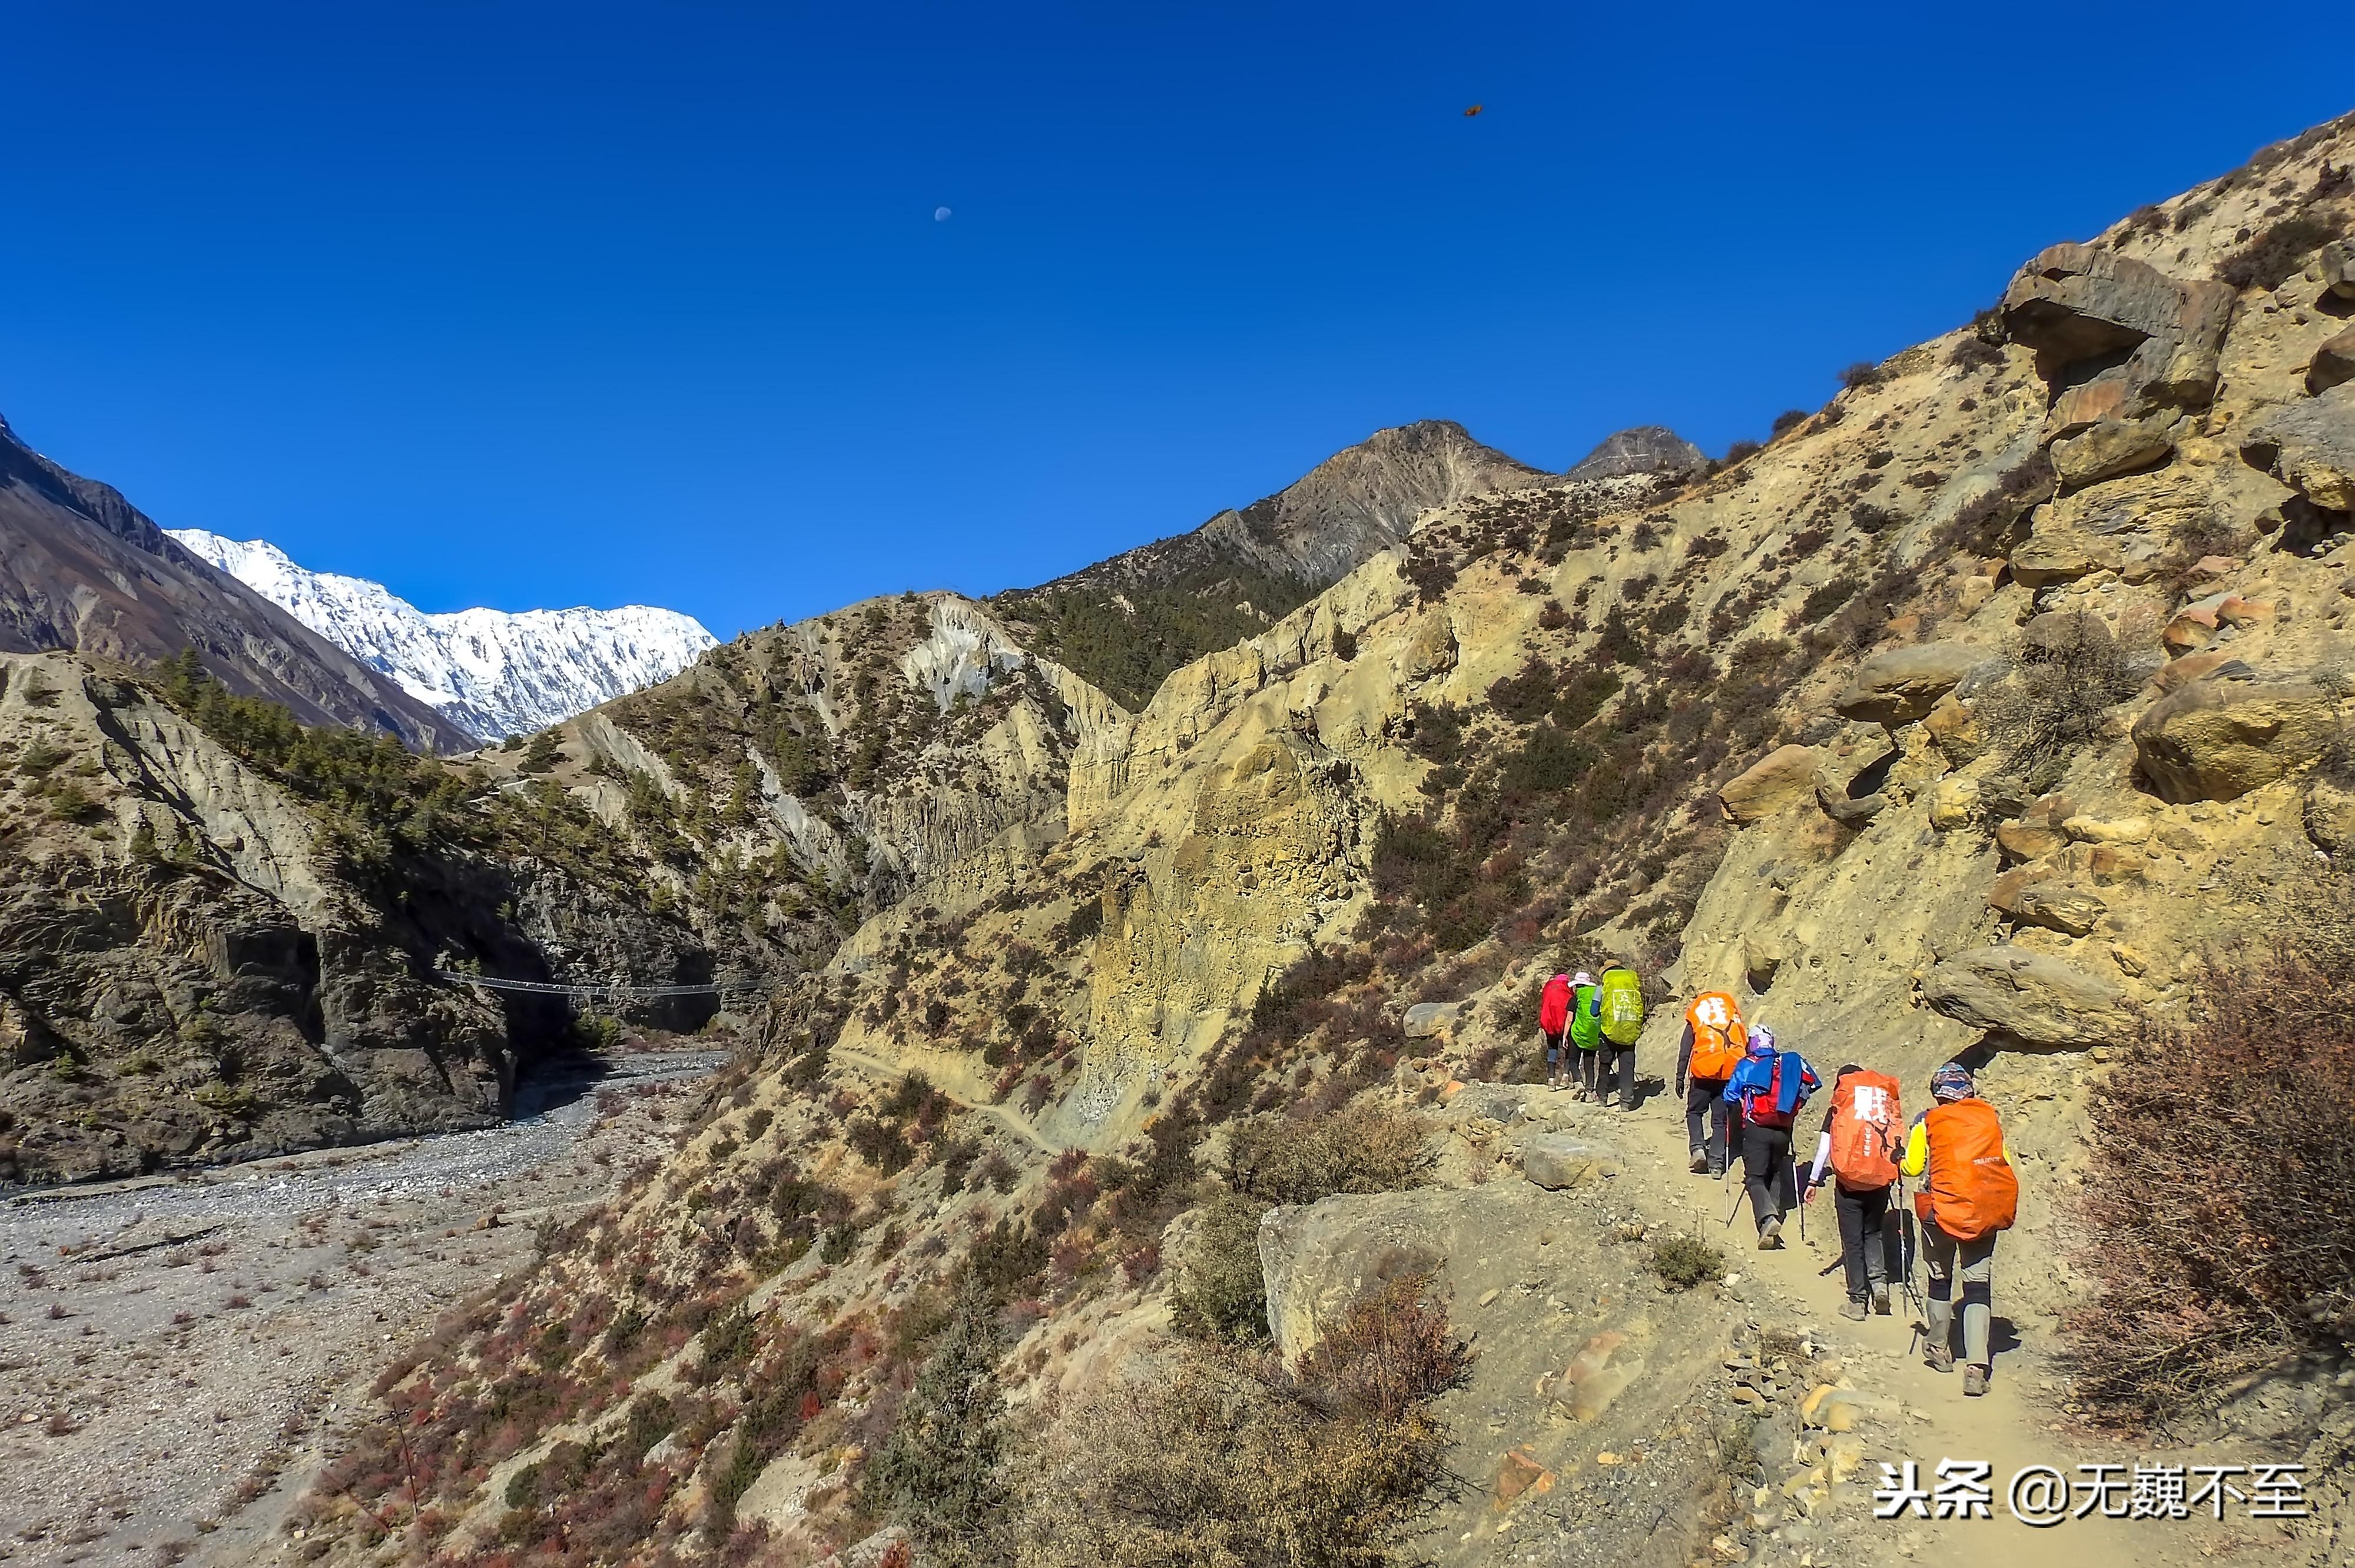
x=940, y=215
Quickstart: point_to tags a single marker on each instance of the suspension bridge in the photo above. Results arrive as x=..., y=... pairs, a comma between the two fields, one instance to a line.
x=590, y=989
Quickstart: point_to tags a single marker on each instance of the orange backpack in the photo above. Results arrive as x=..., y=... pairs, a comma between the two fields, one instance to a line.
x=1719, y=1042
x=1867, y=1128
x=1969, y=1191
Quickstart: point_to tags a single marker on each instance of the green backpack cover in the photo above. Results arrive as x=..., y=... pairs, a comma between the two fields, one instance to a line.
x=1623, y=1006
x=1585, y=1019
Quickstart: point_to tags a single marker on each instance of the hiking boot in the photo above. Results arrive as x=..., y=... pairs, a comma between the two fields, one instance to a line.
x=1938, y=1358
x=1770, y=1234
x=1853, y=1309
x=1700, y=1161
x=1881, y=1300
x=1975, y=1380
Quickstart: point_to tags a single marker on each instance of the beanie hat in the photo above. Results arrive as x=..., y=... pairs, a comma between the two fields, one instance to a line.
x=1952, y=1082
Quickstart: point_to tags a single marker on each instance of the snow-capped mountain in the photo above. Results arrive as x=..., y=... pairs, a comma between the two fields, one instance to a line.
x=494, y=671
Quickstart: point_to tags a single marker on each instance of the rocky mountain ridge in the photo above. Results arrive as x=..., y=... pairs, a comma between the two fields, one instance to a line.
x=493, y=673
x=81, y=568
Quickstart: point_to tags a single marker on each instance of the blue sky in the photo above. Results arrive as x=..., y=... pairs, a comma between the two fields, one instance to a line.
x=520, y=304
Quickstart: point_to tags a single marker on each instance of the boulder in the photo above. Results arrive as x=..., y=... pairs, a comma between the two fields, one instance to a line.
x=2217, y=739
x=1426, y=1019
x=1954, y=803
x=2338, y=267
x=1318, y=1260
x=2090, y=829
x=2077, y=302
x=2033, y=997
x=2110, y=449
x=2309, y=445
x=1955, y=731
x=2071, y=911
x=2038, y=831
x=2054, y=553
x=2221, y=663
x=1558, y=1159
x=1786, y=778
x=2330, y=816
x=1903, y=684
x=2333, y=364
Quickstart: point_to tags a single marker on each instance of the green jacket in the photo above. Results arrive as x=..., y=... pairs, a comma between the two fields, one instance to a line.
x=1586, y=1017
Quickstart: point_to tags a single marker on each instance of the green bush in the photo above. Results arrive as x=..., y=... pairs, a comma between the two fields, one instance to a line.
x=1222, y=1294
x=1683, y=1262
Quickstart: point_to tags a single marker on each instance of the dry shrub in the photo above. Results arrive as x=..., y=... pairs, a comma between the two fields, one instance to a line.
x=1232, y=1461
x=2223, y=1217
x=1294, y=1160
x=2068, y=672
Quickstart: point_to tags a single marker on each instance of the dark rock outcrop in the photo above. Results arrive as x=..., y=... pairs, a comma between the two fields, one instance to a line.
x=1643, y=448
x=2115, y=338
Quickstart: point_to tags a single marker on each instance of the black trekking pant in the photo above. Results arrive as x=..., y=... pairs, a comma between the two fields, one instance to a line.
x=1590, y=1069
x=1705, y=1120
x=1766, y=1171
x=1864, y=1238
x=1618, y=1067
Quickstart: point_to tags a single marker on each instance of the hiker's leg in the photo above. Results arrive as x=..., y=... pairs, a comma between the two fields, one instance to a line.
x=1787, y=1176
x=1977, y=1271
x=1721, y=1152
x=1872, y=1211
x=1758, y=1157
x=1698, y=1095
x=1855, y=1237
x=1624, y=1060
x=1938, y=1258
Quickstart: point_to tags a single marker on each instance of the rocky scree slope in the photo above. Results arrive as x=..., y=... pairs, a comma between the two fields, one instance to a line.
x=81, y=568
x=493, y=672
x=219, y=930
x=1947, y=724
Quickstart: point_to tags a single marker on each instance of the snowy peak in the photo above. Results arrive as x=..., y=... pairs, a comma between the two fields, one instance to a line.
x=496, y=673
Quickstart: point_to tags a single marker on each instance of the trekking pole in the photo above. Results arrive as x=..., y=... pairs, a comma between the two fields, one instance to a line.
x=1738, y=1195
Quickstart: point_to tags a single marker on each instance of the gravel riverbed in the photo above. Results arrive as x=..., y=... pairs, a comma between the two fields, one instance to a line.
x=175, y=1352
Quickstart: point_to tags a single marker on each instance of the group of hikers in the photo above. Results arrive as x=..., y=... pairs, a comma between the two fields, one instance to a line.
x=1742, y=1091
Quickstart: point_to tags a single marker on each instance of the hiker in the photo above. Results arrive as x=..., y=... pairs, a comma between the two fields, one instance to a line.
x=1863, y=1133
x=1553, y=1023
x=1620, y=1000
x=1767, y=1091
x=1586, y=1034
x=1715, y=1040
x=1968, y=1193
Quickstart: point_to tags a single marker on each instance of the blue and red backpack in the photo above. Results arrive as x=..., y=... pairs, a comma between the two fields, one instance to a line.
x=1770, y=1086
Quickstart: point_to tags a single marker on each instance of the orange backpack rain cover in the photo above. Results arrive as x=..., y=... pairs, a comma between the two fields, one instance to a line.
x=1867, y=1130
x=1719, y=1041
x=1969, y=1190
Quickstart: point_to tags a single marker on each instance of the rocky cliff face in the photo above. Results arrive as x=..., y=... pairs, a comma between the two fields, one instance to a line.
x=81, y=568
x=209, y=953
x=1951, y=723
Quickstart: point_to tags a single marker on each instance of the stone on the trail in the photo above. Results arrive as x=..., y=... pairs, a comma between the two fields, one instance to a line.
x=1426, y=1019
x=1787, y=777
x=1558, y=1159
x=1903, y=684
x=2034, y=998
x=1519, y=1472
x=2309, y=445
x=2217, y=739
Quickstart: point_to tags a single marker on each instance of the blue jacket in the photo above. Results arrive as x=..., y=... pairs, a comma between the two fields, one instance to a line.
x=1770, y=1086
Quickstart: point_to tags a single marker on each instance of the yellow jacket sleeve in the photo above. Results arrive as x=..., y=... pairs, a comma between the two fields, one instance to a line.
x=1917, y=1151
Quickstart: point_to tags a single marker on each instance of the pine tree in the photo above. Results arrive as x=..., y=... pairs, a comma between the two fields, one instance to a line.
x=940, y=1472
